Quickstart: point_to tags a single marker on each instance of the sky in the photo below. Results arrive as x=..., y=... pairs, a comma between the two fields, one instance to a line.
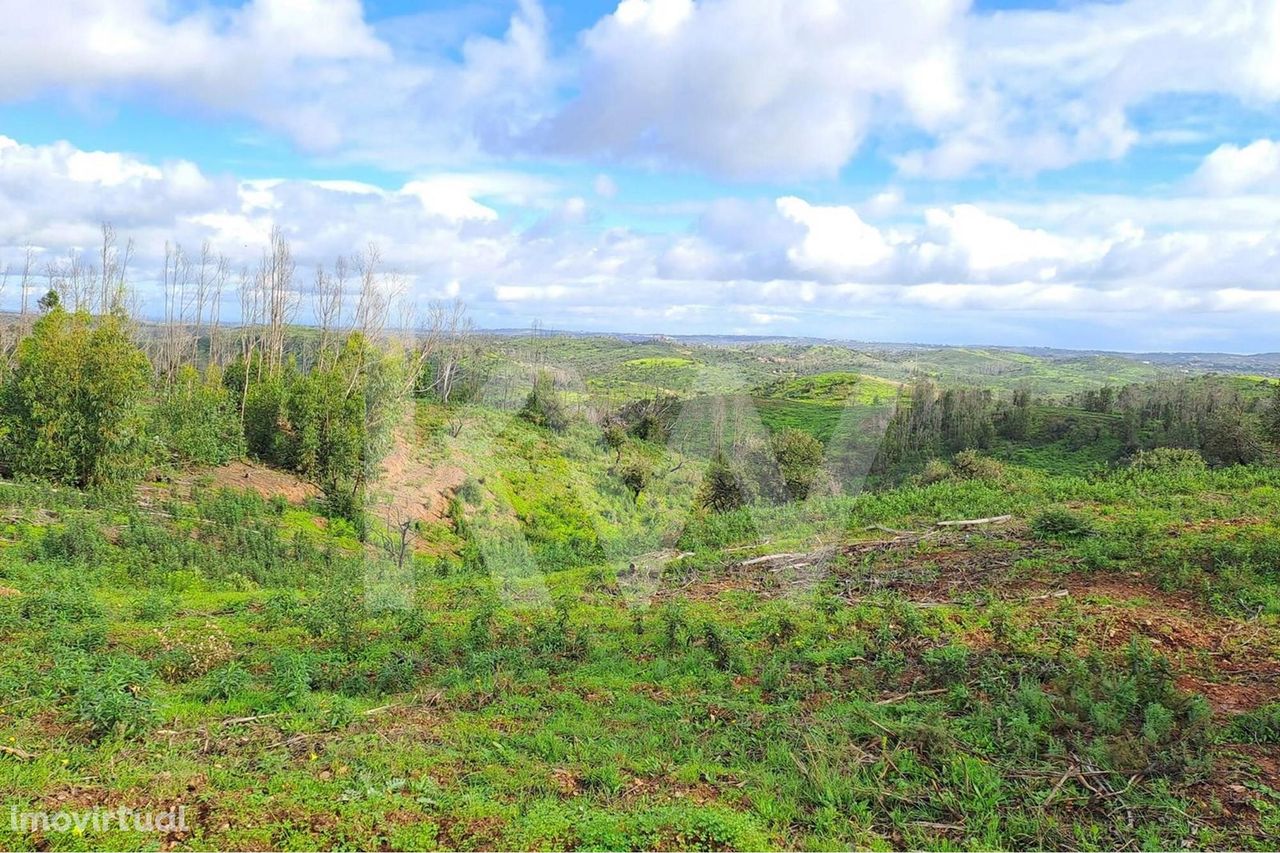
x=1020, y=172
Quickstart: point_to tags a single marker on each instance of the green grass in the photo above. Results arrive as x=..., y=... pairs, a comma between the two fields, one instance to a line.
x=732, y=710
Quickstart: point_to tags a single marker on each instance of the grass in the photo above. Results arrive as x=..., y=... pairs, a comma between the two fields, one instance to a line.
x=228, y=654
x=563, y=662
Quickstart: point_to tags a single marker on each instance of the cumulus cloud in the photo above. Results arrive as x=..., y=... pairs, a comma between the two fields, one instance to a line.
x=785, y=264
x=314, y=70
x=1230, y=169
x=751, y=87
x=1045, y=89
x=738, y=88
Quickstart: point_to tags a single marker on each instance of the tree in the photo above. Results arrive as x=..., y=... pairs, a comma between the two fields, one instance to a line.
x=721, y=491
x=71, y=409
x=1273, y=415
x=799, y=457
x=635, y=475
x=543, y=407
x=614, y=437
x=1230, y=438
x=197, y=418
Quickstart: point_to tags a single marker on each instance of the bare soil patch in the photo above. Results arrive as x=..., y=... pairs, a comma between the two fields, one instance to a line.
x=411, y=487
x=254, y=476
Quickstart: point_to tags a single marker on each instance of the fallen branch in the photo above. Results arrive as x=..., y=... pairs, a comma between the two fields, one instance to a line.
x=974, y=522
x=892, y=530
x=770, y=558
x=889, y=700
x=17, y=752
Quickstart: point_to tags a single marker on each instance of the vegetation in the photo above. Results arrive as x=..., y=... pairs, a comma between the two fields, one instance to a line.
x=575, y=593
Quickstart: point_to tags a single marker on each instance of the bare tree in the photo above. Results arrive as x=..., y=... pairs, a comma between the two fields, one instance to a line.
x=250, y=320
x=175, y=282
x=402, y=532
x=221, y=271
x=8, y=334
x=280, y=299
x=455, y=330
x=204, y=284
x=328, y=297
x=373, y=304
x=28, y=259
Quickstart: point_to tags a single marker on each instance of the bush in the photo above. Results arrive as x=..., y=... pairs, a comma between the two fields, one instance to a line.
x=721, y=491
x=197, y=420
x=635, y=475
x=1261, y=725
x=225, y=682
x=543, y=406
x=1178, y=460
x=291, y=674
x=935, y=471
x=71, y=410
x=116, y=699
x=651, y=419
x=947, y=664
x=1061, y=524
x=971, y=465
x=799, y=457
x=471, y=491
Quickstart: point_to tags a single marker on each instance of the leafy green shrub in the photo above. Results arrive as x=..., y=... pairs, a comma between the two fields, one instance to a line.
x=197, y=420
x=720, y=644
x=651, y=419
x=1060, y=523
x=291, y=674
x=1261, y=725
x=225, y=682
x=543, y=406
x=153, y=607
x=116, y=699
x=721, y=491
x=614, y=437
x=799, y=457
x=935, y=471
x=972, y=465
x=77, y=541
x=635, y=475
x=62, y=602
x=1178, y=460
x=947, y=664
x=471, y=491
x=397, y=672
x=71, y=411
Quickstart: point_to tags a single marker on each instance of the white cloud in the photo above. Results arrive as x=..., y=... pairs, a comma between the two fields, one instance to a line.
x=836, y=240
x=789, y=264
x=768, y=88
x=1230, y=169
x=1046, y=89
x=751, y=87
x=743, y=88
x=313, y=70
x=213, y=53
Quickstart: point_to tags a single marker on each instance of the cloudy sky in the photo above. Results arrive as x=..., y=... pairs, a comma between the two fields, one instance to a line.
x=1032, y=172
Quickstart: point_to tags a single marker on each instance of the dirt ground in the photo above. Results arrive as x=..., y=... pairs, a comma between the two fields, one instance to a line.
x=1232, y=662
x=266, y=481
x=412, y=487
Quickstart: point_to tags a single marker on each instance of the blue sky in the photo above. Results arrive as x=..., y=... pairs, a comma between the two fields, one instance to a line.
x=1079, y=174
